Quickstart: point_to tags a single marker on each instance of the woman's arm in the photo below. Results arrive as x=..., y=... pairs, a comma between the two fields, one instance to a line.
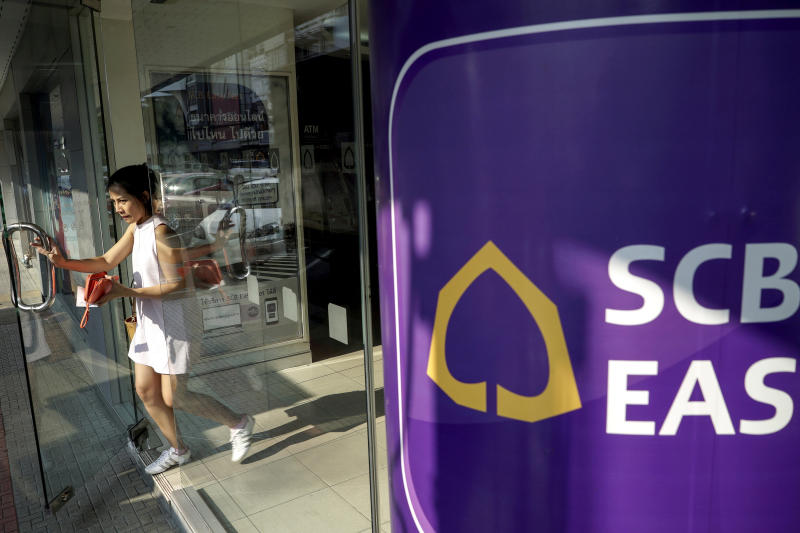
x=162, y=290
x=114, y=256
x=178, y=255
x=202, y=250
x=168, y=260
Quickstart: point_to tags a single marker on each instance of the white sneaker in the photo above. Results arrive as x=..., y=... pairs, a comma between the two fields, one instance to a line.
x=240, y=440
x=168, y=458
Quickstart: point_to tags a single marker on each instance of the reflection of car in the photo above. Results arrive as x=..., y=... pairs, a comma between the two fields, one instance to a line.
x=190, y=197
x=246, y=170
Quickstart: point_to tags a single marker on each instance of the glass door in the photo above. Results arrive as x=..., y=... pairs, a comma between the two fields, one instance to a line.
x=249, y=123
x=79, y=379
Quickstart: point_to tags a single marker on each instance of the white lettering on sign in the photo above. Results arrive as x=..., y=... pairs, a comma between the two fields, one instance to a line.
x=227, y=118
x=699, y=374
x=755, y=282
x=683, y=287
x=224, y=134
x=757, y=390
x=619, y=273
x=753, y=285
x=620, y=397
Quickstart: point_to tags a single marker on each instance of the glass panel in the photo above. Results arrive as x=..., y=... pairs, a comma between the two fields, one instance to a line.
x=93, y=132
x=381, y=490
x=79, y=380
x=248, y=112
x=232, y=148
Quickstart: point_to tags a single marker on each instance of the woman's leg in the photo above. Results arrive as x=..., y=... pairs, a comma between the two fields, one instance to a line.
x=176, y=393
x=175, y=388
x=149, y=389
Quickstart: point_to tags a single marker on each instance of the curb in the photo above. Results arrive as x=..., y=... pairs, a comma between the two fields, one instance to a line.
x=189, y=511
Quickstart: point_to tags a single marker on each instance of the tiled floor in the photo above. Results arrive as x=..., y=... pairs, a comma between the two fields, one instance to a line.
x=308, y=466
x=307, y=469
x=8, y=513
x=110, y=494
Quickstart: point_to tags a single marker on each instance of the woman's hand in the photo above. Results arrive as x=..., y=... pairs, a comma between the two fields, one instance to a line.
x=54, y=255
x=117, y=291
x=224, y=232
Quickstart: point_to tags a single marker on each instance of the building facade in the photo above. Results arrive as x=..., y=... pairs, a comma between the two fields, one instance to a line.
x=581, y=219
x=246, y=111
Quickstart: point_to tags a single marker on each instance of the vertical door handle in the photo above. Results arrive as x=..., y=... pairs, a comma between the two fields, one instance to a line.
x=13, y=268
x=242, y=232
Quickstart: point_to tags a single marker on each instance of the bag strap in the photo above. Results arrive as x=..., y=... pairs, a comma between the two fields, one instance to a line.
x=132, y=300
x=85, y=318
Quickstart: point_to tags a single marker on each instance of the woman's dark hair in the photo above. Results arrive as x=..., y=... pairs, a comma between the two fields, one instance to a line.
x=138, y=181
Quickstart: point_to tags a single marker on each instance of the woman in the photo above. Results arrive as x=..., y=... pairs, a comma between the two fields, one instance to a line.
x=160, y=351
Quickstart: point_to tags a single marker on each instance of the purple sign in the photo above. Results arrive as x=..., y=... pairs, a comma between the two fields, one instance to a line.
x=588, y=231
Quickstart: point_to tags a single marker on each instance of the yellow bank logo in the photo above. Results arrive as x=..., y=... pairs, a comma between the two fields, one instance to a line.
x=561, y=393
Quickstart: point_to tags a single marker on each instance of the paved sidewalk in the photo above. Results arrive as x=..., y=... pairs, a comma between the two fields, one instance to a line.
x=117, y=498
x=8, y=513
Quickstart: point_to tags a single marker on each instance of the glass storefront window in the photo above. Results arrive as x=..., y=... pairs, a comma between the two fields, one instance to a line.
x=53, y=166
x=249, y=123
x=223, y=149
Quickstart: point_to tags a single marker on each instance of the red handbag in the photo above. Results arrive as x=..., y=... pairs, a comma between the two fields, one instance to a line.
x=204, y=270
x=97, y=286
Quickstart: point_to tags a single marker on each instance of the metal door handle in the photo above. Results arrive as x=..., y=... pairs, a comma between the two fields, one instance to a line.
x=13, y=269
x=242, y=233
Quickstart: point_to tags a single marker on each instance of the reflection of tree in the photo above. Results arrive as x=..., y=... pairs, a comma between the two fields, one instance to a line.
x=179, y=121
x=170, y=122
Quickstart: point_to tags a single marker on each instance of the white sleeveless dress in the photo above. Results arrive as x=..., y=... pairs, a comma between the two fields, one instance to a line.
x=160, y=340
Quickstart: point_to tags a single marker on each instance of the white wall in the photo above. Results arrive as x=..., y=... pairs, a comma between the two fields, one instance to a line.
x=120, y=78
